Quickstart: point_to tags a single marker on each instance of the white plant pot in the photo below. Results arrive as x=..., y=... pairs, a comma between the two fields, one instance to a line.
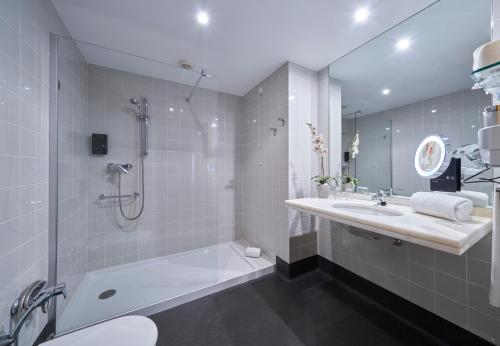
x=348, y=187
x=323, y=190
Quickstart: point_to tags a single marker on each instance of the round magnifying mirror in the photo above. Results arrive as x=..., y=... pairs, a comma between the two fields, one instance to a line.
x=433, y=156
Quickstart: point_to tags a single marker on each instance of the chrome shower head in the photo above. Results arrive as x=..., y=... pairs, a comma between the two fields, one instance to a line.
x=204, y=74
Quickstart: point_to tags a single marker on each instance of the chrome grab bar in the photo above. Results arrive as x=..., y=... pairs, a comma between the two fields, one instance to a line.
x=103, y=197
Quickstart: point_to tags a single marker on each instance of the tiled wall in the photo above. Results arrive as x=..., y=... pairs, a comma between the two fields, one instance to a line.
x=265, y=165
x=457, y=115
x=73, y=147
x=192, y=174
x=454, y=287
x=279, y=167
x=24, y=85
x=303, y=163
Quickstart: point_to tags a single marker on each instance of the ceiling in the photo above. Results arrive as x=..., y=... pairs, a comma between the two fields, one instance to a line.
x=244, y=42
x=438, y=62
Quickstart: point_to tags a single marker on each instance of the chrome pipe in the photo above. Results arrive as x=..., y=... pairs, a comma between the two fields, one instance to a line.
x=202, y=73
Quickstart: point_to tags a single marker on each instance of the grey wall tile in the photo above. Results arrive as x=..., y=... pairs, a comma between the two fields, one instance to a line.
x=421, y=255
x=479, y=300
x=484, y=326
x=478, y=272
x=398, y=285
x=482, y=249
x=451, y=310
x=422, y=297
x=454, y=265
x=451, y=287
x=422, y=276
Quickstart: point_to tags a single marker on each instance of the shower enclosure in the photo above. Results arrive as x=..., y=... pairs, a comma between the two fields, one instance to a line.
x=152, y=218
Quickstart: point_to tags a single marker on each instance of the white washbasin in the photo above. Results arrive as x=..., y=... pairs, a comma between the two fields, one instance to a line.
x=366, y=209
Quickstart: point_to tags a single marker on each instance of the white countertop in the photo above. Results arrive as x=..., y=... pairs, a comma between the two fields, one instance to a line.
x=441, y=234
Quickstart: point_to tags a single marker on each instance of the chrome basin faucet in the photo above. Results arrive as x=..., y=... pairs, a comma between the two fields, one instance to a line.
x=390, y=191
x=380, y=198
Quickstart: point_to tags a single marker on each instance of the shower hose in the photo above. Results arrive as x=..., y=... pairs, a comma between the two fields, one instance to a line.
x=143, y=195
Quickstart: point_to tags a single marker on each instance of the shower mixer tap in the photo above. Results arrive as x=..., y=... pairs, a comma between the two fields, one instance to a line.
x=119, y=167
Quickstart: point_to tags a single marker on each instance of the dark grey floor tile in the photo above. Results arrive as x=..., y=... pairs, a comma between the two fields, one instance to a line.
x=313, y=309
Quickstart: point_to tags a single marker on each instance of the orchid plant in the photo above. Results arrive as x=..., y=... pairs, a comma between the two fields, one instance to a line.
x=347, y=179
x=355, y=145
x=319, y=147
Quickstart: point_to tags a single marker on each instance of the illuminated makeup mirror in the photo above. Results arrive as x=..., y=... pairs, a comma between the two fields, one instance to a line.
x=433, y=156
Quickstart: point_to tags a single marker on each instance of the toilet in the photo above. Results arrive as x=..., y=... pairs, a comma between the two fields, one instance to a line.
x=122, y=331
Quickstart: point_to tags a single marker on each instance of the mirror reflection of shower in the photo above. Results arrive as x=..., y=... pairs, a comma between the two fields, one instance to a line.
x=143, y=116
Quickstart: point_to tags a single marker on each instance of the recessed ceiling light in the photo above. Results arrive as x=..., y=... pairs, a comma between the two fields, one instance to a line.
x=171, y=109
x=386, y=91
x=403, y=44
x=433, y=110
x=361, y=14
x=203, y=18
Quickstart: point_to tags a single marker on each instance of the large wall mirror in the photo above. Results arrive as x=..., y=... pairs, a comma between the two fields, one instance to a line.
x=406, y=84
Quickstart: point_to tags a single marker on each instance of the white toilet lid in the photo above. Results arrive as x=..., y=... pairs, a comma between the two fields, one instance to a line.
x=123, y=331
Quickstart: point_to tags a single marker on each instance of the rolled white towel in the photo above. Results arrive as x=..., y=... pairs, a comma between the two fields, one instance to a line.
x=252, y=252
x=444, y=206
x=478, y=199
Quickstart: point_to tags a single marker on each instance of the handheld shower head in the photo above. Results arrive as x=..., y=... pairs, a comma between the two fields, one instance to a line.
x=137, y=103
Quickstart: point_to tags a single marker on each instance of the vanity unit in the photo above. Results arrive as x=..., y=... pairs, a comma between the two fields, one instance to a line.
x=400, y=222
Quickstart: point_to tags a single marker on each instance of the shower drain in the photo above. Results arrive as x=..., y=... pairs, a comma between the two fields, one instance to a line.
x=107, y=294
